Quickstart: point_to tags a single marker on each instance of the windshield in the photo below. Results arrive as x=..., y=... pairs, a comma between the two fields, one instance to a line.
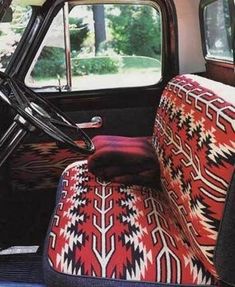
x=11, y=32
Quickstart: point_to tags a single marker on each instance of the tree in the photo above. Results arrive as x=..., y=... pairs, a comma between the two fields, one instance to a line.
x=136, y=30
x=21, y=18
x=11, y=32
x=99, y=25
x=78, y=33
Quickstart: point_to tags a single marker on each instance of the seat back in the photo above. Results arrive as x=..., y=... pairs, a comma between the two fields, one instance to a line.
x=194, y=139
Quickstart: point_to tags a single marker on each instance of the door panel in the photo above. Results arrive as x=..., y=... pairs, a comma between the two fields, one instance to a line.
x=130, y=122
x=123, y=112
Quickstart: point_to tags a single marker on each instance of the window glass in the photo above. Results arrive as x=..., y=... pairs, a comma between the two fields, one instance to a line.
x=109, y=46
x=11, y=33
x=49, y=66
x=218, y=31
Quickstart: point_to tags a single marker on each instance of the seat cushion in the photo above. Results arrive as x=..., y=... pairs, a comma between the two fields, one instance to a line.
x=124, y=160
x=117, y=156
x=107, y=230
x=104, y=231
x=194, y=139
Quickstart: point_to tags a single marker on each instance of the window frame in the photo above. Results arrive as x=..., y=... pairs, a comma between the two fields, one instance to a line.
x=20, y=49
x=46, y=13
x=65, y=11
x=202, y=6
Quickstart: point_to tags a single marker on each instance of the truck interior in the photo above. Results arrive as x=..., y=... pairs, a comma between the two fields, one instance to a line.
x=117, y=143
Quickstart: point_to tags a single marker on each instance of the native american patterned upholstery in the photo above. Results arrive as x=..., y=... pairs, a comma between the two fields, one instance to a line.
x=39, y=165
x=132, y=235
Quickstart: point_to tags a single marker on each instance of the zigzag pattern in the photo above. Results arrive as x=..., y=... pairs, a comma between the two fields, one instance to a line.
x=44, y=162
x=108, y=230
x=123, y=232
x=196, y=158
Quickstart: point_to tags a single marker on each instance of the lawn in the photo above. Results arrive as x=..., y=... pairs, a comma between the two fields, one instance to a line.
x=133, y=71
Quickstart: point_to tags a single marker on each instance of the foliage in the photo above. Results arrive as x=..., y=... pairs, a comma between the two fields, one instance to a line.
x=21, y=17
x=136, y=30
x=78, y=33
x=10, y=33
x=50, y=63
x=95, y=65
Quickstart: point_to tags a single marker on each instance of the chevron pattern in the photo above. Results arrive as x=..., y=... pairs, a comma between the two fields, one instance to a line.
x=40, y=165
x=108, y=230
x=126, y=232
x=197, y=159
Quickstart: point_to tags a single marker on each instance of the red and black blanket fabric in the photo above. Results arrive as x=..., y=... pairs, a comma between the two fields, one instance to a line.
x=105, y=231
x=124, y=160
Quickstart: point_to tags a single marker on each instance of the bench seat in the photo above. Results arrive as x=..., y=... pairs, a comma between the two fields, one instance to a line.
x=110, y=234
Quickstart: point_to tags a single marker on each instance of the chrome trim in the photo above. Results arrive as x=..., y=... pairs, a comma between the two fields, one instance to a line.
x=95, y=123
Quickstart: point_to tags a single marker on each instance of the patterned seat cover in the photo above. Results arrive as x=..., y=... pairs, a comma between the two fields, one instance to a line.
x=133, y=233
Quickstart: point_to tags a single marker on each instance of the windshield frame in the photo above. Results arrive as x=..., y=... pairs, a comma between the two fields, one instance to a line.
x=23, y=42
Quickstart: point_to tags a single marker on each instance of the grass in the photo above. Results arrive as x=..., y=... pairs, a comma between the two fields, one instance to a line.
x=139, y=62
x=135, y=71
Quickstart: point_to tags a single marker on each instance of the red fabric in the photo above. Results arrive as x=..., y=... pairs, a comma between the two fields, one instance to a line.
x=149, y=177
x=196, y=158
x=141, y=240
x=123, y=159
x=103, y=229
x=39, y=166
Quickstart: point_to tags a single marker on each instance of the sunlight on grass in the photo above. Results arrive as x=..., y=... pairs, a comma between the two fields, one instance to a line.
x=134, y=71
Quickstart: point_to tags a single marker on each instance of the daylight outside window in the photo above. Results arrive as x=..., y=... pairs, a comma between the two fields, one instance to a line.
x=11, y=33
x=101, y=46
x=218, y=30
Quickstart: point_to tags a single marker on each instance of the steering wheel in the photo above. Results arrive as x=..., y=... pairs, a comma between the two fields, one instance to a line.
x=35, y=112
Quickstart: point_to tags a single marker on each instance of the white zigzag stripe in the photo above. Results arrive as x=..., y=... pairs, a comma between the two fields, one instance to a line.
x=190, y=161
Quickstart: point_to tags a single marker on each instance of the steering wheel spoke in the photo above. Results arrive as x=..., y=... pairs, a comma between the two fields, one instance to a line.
x=39, y=113
x=14, y=94
x=18, y=95
x=10, y=140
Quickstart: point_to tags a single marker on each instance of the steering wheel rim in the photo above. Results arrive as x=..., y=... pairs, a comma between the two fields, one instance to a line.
x=25, y=102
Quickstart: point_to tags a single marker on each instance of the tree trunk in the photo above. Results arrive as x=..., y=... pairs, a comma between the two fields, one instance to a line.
x=99, y=25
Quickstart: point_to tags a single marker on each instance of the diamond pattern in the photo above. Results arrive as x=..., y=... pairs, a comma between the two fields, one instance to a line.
x=168, y=235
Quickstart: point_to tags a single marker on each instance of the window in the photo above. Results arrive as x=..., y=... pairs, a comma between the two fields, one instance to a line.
x=11, y=33
x=49, y=66
x=218, y=30
x=100, y=46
